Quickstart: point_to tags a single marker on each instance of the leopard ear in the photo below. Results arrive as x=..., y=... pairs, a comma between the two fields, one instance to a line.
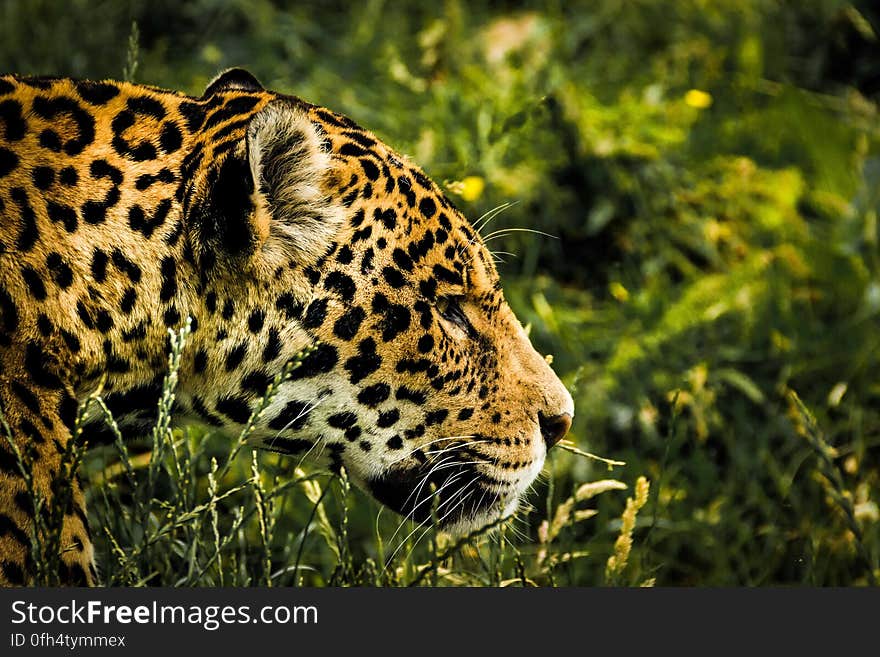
x=233, y=79
x=267, y=198
x=289, y=165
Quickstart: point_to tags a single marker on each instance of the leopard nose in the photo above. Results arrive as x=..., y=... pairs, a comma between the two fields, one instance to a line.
x=554, y=428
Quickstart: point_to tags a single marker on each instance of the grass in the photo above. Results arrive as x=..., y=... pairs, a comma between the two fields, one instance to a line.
x=199, y=509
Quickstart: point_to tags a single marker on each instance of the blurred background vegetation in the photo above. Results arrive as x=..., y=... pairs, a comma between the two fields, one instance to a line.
x=709, y=172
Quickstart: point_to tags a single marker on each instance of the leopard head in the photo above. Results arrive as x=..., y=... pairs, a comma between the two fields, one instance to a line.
x=421, y=381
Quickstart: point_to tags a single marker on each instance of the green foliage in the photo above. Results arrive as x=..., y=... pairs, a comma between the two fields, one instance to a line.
x=710, y=172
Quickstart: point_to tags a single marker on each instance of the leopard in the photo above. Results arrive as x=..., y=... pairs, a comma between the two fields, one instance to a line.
x=274, y=229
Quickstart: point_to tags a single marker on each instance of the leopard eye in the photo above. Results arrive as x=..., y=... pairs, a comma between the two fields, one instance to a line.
x=450, y=309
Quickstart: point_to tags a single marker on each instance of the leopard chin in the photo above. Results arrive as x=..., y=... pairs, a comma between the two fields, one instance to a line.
x=455, y=502
x=457, y=494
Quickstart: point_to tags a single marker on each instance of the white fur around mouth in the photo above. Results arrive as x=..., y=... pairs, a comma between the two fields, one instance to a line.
x=489, y=516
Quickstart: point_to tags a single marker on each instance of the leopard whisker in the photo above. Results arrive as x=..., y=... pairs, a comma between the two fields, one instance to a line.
x=489, y=215
x=507, y=231
x=461, y=491
x=425, y=478
x=448, y=482
x=308, y=408
x=431, y=442
x=416, y=491
x=457, y=446
x=424, y=533
x=461, y=463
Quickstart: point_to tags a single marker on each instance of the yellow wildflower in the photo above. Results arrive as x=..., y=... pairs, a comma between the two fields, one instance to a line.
x=698, y=99
x=618, y=291
x=469, y=188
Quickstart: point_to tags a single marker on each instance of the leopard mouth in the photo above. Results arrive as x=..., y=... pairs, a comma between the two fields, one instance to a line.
x=447, y=498
x=455, y=492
